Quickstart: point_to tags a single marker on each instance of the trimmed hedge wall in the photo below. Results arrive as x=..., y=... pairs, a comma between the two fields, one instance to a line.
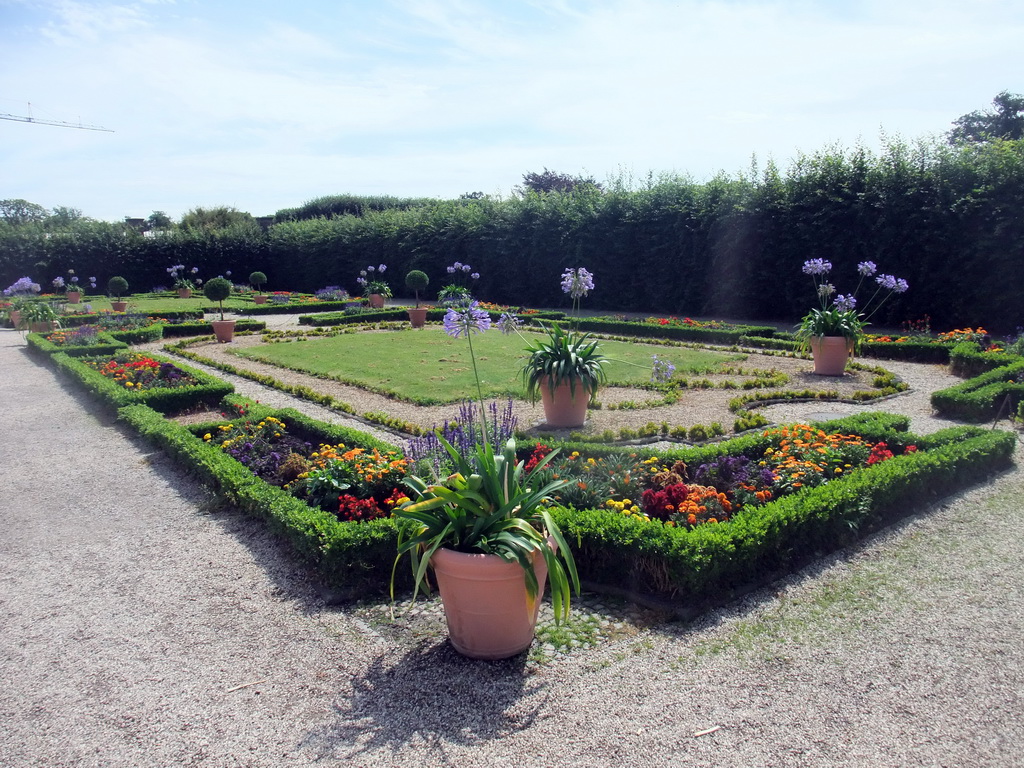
x=208, y=391
x=996, y=392
x=610, y=325
x=205, y=328
x=89, y=319
x=911, y=351
x=967, y=360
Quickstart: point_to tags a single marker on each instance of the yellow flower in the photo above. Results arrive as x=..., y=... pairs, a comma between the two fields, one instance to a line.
x=207, y=436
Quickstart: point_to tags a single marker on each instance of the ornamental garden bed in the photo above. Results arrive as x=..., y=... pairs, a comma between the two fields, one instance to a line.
x=77, y=342
x=698, y=526
x=126, y=378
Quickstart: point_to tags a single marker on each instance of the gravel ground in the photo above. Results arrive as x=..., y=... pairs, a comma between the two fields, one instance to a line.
x=140, y=624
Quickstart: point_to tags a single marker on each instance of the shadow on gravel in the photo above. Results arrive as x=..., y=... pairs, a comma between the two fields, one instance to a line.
x=430, y=698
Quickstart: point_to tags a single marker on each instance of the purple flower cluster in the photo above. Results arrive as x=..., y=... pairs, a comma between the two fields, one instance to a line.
x=23, y=285
x=662, y=370
x=462, y=322
x=892, y=283
x=844, y=303
x=458, y=267
x=577, y=282
x=464, y=434
x=866, y=268
x=332, y=293
x=817, y=267
x=508, y=323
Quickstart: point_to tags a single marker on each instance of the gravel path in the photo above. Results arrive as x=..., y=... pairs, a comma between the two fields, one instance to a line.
x=132, y=609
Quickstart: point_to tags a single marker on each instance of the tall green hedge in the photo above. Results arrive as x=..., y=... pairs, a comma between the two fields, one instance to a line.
x=946, y=218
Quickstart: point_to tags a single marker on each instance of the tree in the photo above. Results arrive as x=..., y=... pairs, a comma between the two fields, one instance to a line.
x=159, y=220
x=549, y=181
x=1006, y=121
x=62, y=216
x=212, y=219
x=18, y=211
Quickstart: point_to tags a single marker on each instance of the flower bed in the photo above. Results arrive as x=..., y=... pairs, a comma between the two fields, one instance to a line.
x=129, y=378
x=83, y=340
x=700, y=561
x=353, y=482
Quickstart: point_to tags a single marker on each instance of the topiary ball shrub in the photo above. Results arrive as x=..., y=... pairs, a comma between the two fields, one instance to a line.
x=118, y=286
x=417, y=281
x=257, y=279
x=218, y=289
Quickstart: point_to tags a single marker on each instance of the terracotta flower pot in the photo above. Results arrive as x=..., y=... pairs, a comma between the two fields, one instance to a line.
x=224, y=330
x=376, y=301
x=831, y=353
x=259, y=299
x=44, y=326
x=184, y=293
x=564, y=408
x=74, y=297
x=417, y=316
x=119, y=306
x=489, y=613
x=15, y=318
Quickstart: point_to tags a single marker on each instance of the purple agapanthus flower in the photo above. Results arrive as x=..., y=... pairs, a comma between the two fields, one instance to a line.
x=867, y=268
x=451, y=270
x=817, y=266
x=826, y=289
x=844, y=303
x=382, y=268
x=577, y=282
x=890, y=283
x=58, y=283
x=662, y=370
x=901, y=285
x=475, y=276
x=459, y=322
x=508, y=323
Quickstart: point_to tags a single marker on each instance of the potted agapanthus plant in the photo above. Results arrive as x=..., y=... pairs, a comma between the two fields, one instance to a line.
x=40, y=316
x=487, y=535
x=374, y=289
x=19, y=294
x=833, y=331
x=218, y=289
x=457, y=293
x=184, y=285
x=416, y=280
x=566, y=369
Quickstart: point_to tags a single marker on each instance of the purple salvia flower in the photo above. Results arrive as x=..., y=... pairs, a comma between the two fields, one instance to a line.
x=817, y=266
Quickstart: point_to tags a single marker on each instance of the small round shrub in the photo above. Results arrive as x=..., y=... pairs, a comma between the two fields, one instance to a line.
x=118, y=286
x=257, y=279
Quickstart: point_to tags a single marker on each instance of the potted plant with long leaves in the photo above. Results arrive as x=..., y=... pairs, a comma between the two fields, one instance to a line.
x=257, y=280
x=20, y=294
x=487, y=535
x=833, y=331
x=416, y=280
x=565, y=369
x=40, y=316
x=118, y=287
x=217, y=289
x=375, y=289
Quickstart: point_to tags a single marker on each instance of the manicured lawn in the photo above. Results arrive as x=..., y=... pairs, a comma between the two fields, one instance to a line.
x=427, y=366
x=154, y=305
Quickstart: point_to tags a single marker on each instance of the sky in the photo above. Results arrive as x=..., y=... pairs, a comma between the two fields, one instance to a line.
x=263, y=105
